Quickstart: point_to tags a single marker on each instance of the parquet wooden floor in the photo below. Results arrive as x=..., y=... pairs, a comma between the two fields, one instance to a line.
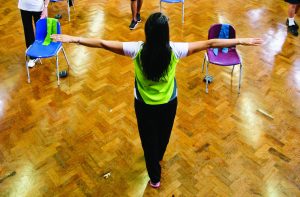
x=61, y=141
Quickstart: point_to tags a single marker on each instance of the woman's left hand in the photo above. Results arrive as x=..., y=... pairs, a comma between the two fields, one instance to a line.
x=250, y=41
x=63, y=38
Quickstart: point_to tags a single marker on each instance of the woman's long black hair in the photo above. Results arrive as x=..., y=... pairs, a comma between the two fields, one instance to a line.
x=156, y=52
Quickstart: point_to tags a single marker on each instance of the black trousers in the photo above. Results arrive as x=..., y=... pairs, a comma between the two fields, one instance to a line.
x=155, y=124
x=27, y=17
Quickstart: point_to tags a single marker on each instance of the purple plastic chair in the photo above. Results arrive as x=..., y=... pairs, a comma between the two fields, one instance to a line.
x=231, y=58
x=174, y=1
x=38, y=50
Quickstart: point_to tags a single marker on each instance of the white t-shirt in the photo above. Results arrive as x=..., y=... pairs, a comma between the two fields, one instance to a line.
x=131, y=49
x=31, y=5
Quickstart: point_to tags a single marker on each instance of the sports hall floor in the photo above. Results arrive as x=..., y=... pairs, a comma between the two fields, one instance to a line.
x=60, y=141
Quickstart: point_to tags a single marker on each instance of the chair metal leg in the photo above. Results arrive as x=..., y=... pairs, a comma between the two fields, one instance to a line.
x=159, y=6
x=232, y=70
x=69, y=10
x=204, y=61
x=57, y=70
x=66, y=57
x=240, y=78
x=27, y=69
x=206, y=81
x=182, y=12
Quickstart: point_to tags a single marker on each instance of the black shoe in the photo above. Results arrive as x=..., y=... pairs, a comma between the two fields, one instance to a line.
x=132, y=24
x=208, y=78
x=58, y=16
x=293, y=30
x=138, y=18
x=287, y=23
x=63, y=74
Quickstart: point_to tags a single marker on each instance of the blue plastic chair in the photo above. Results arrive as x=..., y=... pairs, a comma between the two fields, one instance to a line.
x=174, y=1
x=69, y=15
x=38, y=50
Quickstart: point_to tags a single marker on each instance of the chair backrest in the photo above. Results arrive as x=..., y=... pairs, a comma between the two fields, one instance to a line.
x=214, y=31
x=41, y=29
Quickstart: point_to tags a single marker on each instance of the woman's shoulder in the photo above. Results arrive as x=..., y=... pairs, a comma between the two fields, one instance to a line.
x=180, y=49
x=132, y=48
x=133, y=44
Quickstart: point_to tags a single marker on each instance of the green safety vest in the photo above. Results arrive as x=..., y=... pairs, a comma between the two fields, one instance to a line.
x=152, y=92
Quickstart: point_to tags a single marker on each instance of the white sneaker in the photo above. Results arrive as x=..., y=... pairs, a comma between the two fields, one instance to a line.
x=31, y=62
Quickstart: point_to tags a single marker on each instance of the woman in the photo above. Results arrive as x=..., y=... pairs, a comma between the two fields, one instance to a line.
x=32, y=10
x=155, y=62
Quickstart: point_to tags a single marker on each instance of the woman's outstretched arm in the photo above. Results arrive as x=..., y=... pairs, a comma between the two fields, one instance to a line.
x=113, y=46
x=220, y=43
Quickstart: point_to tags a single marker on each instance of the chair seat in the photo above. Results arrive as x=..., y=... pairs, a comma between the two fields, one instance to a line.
x=38, y=50
x=224, y=59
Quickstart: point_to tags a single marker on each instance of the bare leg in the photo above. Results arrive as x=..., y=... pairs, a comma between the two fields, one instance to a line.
x=292, y=10
x=134, y=9
x=139, y=5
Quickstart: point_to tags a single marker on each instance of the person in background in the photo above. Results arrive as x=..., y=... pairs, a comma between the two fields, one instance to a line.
x=292, y=26
x=136, y=6
x=31, y=12
x=155, y=90
x=71, y=3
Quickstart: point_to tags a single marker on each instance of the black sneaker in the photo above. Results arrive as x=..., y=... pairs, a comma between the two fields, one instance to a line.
x=58, y=16
x=208, y=78
x=293, y=30
x=138, y=18
x=132, y=24
x=287, y=23
x=63, y=74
